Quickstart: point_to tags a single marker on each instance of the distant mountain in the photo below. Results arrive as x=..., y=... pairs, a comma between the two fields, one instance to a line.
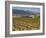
x=22, y=12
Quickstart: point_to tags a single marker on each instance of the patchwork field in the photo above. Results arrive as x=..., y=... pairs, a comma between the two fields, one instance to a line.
x=25, y=23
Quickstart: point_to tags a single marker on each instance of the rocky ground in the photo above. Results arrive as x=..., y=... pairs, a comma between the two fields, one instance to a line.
x=24, y=26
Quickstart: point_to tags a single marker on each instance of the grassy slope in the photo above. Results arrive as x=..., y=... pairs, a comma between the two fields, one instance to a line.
x=26, y=23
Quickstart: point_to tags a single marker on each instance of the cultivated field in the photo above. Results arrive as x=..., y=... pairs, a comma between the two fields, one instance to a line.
x=25, y=23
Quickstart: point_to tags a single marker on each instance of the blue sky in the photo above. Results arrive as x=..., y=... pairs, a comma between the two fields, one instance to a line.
x=28, y=9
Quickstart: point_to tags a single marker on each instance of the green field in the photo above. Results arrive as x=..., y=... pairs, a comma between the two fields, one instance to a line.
x=25, y=23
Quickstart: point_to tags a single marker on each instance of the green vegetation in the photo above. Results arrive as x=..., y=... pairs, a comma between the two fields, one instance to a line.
x=24, y=23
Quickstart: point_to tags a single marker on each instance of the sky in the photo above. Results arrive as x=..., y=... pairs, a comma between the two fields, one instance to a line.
x=37, y=10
